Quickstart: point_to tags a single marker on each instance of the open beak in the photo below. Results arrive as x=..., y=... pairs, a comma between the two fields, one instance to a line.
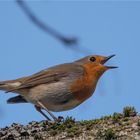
x=106, y=59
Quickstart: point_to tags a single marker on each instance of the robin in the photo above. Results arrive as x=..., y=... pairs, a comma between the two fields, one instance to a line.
x=59, y=88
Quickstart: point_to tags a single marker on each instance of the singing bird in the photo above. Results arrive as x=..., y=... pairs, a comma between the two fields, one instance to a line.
x=59, y=88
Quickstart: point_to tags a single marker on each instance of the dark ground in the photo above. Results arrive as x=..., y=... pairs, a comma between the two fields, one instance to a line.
x=121, y=126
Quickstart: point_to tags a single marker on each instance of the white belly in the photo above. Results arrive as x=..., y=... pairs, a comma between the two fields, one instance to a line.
x=57, y=107
x=55, y=97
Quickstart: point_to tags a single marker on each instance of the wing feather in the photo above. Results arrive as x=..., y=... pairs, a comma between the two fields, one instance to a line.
x=53, y=74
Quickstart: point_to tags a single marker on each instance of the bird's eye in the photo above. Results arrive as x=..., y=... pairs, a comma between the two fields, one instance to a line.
x=92, y=59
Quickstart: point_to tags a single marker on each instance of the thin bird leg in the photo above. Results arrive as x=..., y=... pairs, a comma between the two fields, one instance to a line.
x=55, y=119
x=40, y=111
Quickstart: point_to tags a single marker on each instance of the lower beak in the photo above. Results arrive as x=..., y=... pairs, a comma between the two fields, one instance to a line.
x=106, y=59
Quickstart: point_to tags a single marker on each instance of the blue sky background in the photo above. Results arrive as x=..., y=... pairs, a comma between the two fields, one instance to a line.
x=105, y=28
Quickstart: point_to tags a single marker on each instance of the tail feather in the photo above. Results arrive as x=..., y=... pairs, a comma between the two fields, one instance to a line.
x=16, y=99
x=8, y=85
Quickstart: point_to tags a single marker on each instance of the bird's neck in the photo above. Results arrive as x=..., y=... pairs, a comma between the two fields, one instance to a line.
x=92, y=76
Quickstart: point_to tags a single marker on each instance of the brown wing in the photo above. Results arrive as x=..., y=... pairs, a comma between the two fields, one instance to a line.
x=53, y=74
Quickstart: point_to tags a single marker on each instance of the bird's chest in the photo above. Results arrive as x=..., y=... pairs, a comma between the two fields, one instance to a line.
x=83, y=88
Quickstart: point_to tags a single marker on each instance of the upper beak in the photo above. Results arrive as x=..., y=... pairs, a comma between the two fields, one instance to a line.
x=106, y=59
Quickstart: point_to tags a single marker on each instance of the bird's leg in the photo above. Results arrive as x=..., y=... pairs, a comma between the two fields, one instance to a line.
x=55, y=119
x=40, y=111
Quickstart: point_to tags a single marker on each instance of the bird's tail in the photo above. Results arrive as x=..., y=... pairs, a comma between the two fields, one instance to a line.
x=16, y=99
x=8, y=85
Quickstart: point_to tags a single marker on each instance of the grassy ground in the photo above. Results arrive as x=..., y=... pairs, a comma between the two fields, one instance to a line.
x=119, y=126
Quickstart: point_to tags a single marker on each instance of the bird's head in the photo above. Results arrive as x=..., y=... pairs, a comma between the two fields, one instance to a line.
x=95, y=64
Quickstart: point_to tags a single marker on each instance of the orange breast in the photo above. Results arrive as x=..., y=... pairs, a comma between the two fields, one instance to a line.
x=84, y=87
